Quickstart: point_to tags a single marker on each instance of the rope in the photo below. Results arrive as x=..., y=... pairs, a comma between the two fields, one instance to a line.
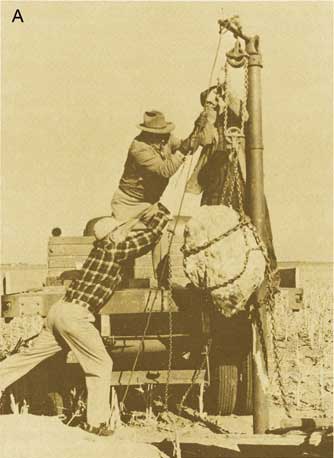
x=166, y=260
x=221, y=32
x=140, y=346
x=163, y=270
x=167, y=264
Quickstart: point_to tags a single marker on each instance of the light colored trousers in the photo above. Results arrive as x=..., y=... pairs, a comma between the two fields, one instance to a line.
x=70, y=323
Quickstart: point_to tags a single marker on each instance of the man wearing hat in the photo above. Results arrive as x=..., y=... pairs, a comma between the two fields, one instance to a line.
x=153, y=158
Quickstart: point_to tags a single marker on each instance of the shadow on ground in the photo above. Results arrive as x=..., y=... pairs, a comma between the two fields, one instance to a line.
x=193, y=450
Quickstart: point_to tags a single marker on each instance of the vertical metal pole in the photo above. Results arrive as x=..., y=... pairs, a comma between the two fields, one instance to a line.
x=255, y=209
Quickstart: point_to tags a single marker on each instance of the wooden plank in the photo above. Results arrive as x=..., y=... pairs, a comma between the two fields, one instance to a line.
x=147, y=336
x=81, y=240
x=15, y=281
x=184, y=324
x=124, y=378
x=16, y=304
x=140, y=283
x=65, y=261
x=136, y=301
x=177, y=377
x=69, y=250
x=122, y=301
x=57, y=271
x=105, y=326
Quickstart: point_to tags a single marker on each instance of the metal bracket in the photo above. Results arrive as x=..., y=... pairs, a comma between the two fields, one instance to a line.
x=236, y=57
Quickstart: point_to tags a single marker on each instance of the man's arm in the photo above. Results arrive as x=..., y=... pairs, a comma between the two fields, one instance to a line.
x=140, y=242
x=151, y=162
x=202, y=134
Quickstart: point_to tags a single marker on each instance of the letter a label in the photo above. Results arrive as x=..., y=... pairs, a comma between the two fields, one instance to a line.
x=17, y=16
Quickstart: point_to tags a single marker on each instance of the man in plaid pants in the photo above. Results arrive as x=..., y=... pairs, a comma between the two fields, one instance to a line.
x=70, y=321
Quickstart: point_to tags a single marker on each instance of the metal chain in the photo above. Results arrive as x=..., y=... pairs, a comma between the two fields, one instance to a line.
x=227, y=184
x=227, y=93
x=163, y=270
x=205, y=353
x=237, y=181
x=269, y=304
x=149, y=314
x=232, y=186
x=255, y=314
x=238, y=176
x=237, y=276
x=245, y=96
x=200, y=248
x=170, y=323
x=277, y=362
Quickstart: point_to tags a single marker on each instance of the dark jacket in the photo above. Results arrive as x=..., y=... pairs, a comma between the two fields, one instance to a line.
x=147, y=169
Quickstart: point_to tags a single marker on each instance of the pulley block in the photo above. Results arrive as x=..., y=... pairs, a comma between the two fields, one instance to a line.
x=236, y=57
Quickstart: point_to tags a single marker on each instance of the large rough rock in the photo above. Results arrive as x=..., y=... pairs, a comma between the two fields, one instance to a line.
x=223, y=260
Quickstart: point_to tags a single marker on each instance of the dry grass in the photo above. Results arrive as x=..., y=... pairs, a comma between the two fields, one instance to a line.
x=19, y=328
x=305, y=343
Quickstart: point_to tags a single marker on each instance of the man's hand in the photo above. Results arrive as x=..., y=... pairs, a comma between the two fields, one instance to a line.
x=149, y=213
x=201, y=121
x=104, y=226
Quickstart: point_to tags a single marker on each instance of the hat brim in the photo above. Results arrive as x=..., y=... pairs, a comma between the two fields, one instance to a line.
x=162, y=130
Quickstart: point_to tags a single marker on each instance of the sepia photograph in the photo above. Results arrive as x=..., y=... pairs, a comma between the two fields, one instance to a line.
x=166, y=243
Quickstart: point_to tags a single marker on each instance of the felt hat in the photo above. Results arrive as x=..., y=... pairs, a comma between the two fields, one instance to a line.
x=155, y=123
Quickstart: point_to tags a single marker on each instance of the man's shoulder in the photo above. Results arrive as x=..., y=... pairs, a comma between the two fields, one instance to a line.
x=138, y=146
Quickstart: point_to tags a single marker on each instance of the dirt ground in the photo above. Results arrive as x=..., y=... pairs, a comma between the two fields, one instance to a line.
x=25, y=436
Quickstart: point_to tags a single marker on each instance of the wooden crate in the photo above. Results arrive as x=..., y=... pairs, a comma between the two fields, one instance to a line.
x=69, y=253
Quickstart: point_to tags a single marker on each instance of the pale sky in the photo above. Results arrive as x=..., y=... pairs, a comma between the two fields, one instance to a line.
x=76, y=78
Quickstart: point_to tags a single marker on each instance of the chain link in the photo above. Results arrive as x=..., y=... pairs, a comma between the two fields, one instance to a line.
x=231, y=185
x=238, y=275
x=200, y=248
x=227, y=93
x=227, y=184
x=245, y=96
x=268, y=303
x=206, y=353
x=170, y=323
x=238, y=186
x=277, y=361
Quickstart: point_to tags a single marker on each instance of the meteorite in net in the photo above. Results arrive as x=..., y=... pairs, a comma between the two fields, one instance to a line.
x=221, y=254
